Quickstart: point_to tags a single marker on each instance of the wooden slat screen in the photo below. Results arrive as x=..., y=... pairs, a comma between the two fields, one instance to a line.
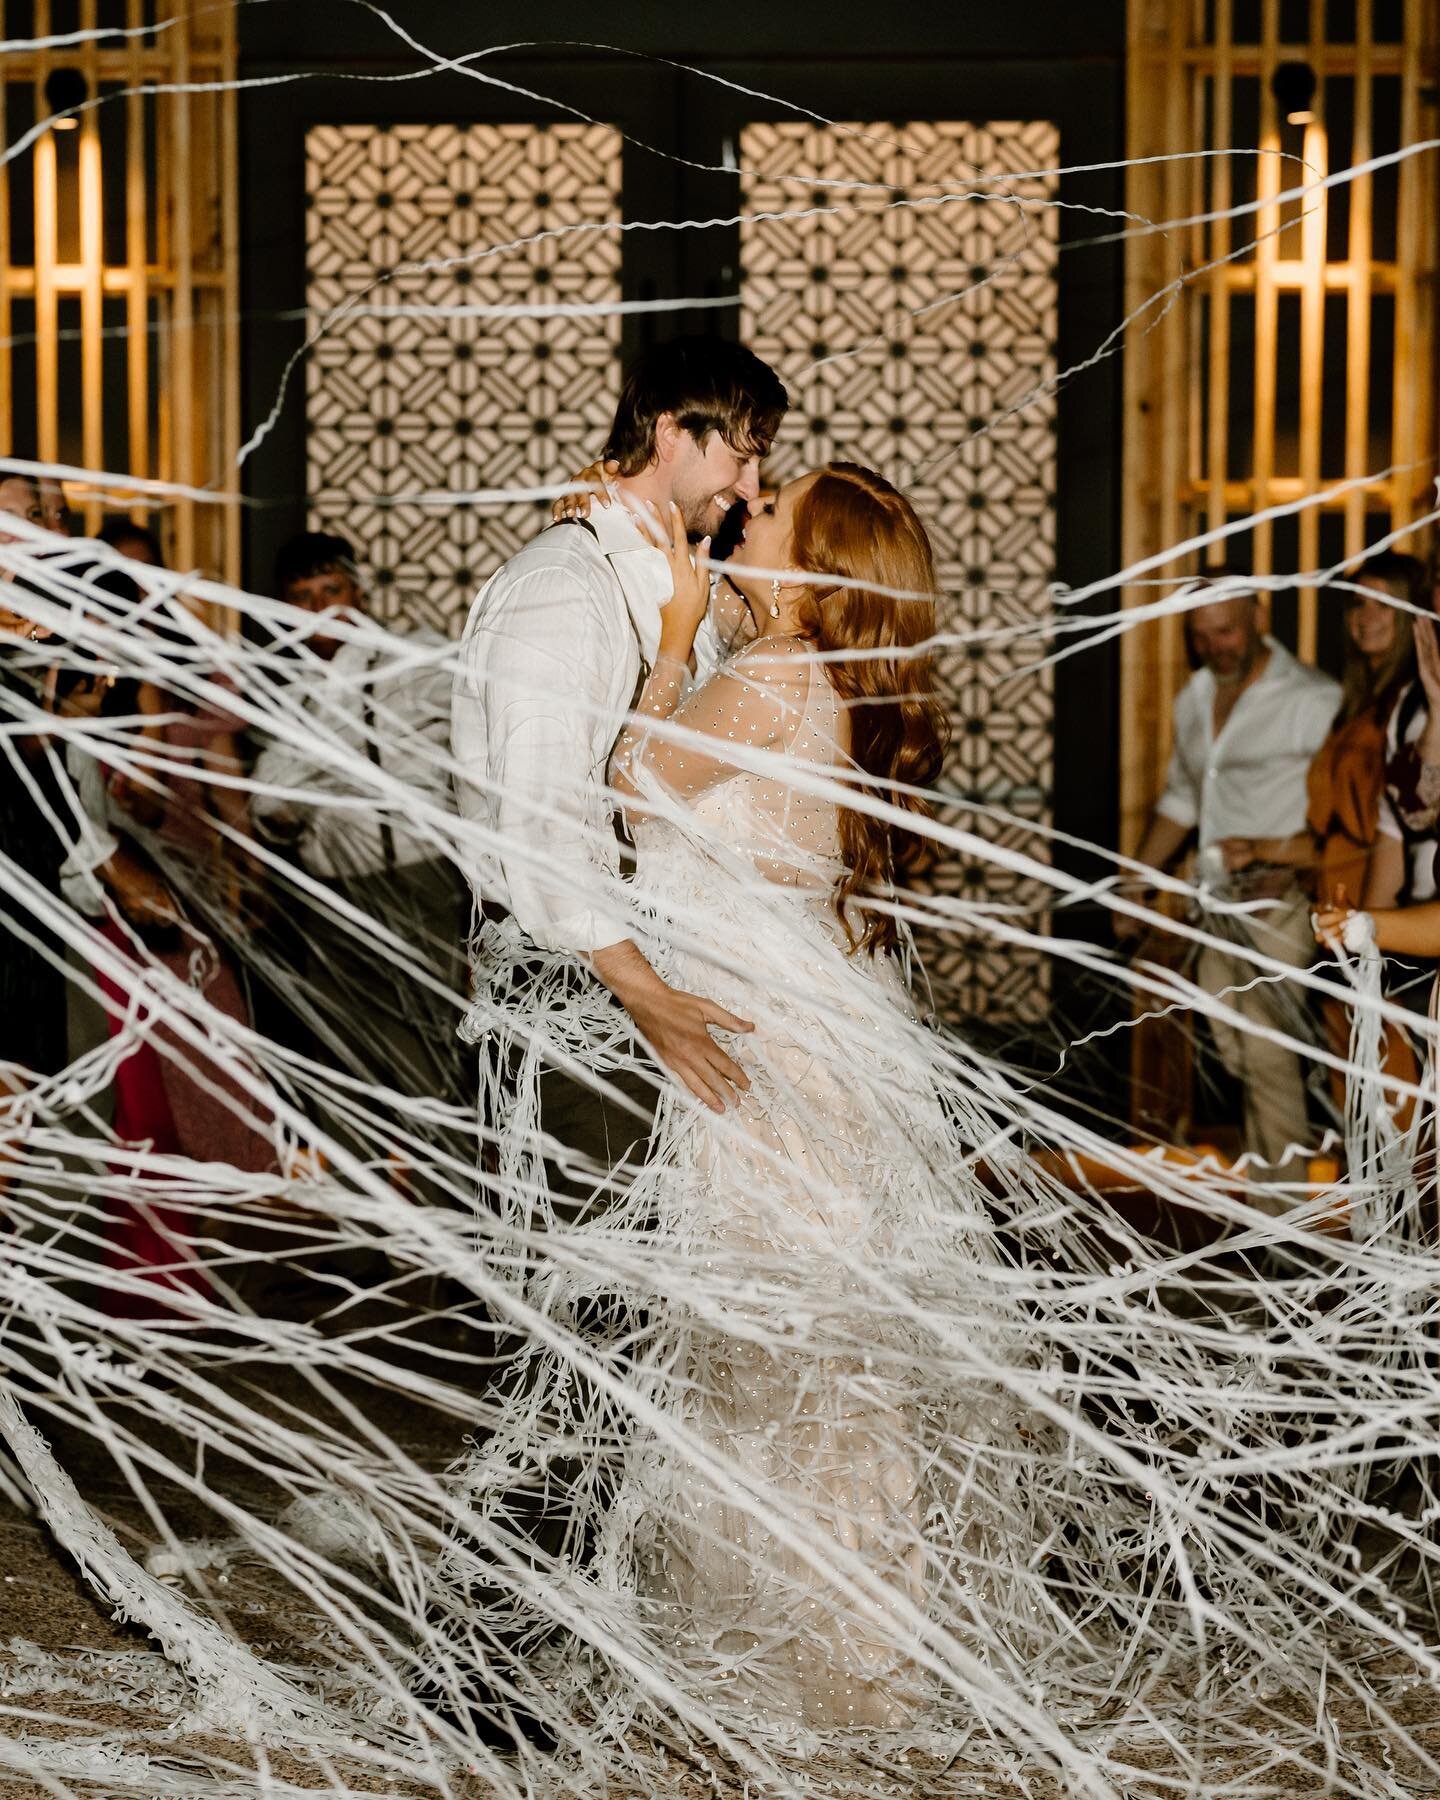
x=1254, y=389
x=162, y=273
x=1299, y=352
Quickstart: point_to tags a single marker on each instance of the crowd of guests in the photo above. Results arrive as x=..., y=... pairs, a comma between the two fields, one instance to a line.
x=267, y=901
x=1299, y=793
x=359, y=868
x=1306, y=798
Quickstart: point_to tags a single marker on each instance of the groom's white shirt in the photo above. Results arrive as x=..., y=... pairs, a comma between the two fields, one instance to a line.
x=548, y=669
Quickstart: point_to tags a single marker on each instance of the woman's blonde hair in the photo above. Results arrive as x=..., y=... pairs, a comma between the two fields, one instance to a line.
x=1360, y=684
x=851, y=522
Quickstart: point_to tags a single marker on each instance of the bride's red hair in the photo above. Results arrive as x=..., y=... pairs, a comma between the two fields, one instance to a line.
x=853, y=523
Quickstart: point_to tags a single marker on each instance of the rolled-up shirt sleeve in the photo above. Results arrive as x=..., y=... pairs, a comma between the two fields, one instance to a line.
x=1179, y=801
x=281, y=766
x=536, y=670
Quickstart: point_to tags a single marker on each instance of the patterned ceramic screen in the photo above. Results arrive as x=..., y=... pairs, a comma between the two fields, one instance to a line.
x=920, y=340
x=917, y=339
x=452, y=398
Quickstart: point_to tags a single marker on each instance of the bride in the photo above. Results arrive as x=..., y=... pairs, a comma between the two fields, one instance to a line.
x=786, y=1506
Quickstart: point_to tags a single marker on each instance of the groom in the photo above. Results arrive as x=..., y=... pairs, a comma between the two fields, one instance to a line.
x=553, y=656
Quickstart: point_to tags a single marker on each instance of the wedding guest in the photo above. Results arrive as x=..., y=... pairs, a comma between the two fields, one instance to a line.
x=1401, y=868
x=32, y=977
x=55, y=514
x=372, y=696
x=138, y=542
x=1347, y=778
x=204, y=818
x=1246, y=727
x=20, y=498
x=549, y=663
x=161, y=868
x=168, y=1095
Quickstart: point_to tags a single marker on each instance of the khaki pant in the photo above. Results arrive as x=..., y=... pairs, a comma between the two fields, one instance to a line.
x=1276, y=1118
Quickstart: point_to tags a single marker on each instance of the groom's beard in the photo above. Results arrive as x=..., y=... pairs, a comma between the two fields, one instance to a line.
x=732, y=528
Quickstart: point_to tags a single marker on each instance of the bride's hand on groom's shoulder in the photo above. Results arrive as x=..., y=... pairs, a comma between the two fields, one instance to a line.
x=577, y=506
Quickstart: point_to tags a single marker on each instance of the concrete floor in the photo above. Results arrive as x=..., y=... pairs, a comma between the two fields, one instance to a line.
x=44, y=1604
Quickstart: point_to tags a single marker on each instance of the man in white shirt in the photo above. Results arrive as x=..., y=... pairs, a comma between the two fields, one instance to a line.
x=385, y=700
x=1247, y=726
x=552, y=658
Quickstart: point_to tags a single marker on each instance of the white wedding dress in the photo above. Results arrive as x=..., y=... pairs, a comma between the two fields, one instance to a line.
x=795, y=1457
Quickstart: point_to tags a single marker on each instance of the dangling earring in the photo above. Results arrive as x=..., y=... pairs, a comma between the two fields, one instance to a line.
x=775, y=598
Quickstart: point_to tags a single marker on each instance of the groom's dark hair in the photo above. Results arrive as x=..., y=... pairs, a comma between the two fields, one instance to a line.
x=707, y=384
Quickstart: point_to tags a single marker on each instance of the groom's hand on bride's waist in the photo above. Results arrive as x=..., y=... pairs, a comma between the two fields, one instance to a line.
x=676, y=1026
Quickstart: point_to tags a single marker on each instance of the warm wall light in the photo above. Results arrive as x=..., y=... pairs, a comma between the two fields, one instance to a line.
x=65, y=90
x=1293, y=85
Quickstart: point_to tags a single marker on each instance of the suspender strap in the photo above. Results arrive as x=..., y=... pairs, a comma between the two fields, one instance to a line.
x=627, y=848
x=372, y=750
x=644, y=666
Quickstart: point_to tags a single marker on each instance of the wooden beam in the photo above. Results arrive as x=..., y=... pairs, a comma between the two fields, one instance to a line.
x=1240, y=496
x=178, y=184
x=123, y=65
x=1138, y=440
x=1409, y=230
x=1290, y=273
x=92, y=261
x=136, y=272
x=1359, y=273
x=7, y=375
x=1155, y=435
x=194, y=386
x=1313, y=226
x=1218, y=373
x=229, y=346
x=1267, y=224
x=1254, y=59
x=47, y=224
x=1428, y=298
x=1170, y=663
x=70, y=277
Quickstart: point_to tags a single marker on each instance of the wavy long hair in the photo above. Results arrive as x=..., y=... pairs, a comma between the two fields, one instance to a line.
x=1360, y=685
x=851, y=522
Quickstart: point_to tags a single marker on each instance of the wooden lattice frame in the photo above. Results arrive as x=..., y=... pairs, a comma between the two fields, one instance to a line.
x=1177, y=475
x=183, y=365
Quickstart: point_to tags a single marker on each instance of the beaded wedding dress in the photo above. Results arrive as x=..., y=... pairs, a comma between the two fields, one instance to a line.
x=781, y=1420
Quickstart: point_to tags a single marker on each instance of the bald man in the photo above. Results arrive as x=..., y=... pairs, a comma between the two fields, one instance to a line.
x=1247, y=725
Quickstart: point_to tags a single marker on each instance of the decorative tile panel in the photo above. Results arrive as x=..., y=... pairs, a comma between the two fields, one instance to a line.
x=409, y=402
x=941, y=318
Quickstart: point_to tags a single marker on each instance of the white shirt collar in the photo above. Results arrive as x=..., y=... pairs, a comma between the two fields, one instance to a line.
x=1280, y=666
x=640, y=568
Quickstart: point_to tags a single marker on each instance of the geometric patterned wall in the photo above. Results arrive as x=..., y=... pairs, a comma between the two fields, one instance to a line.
x=447, y=399
x=944, y=317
